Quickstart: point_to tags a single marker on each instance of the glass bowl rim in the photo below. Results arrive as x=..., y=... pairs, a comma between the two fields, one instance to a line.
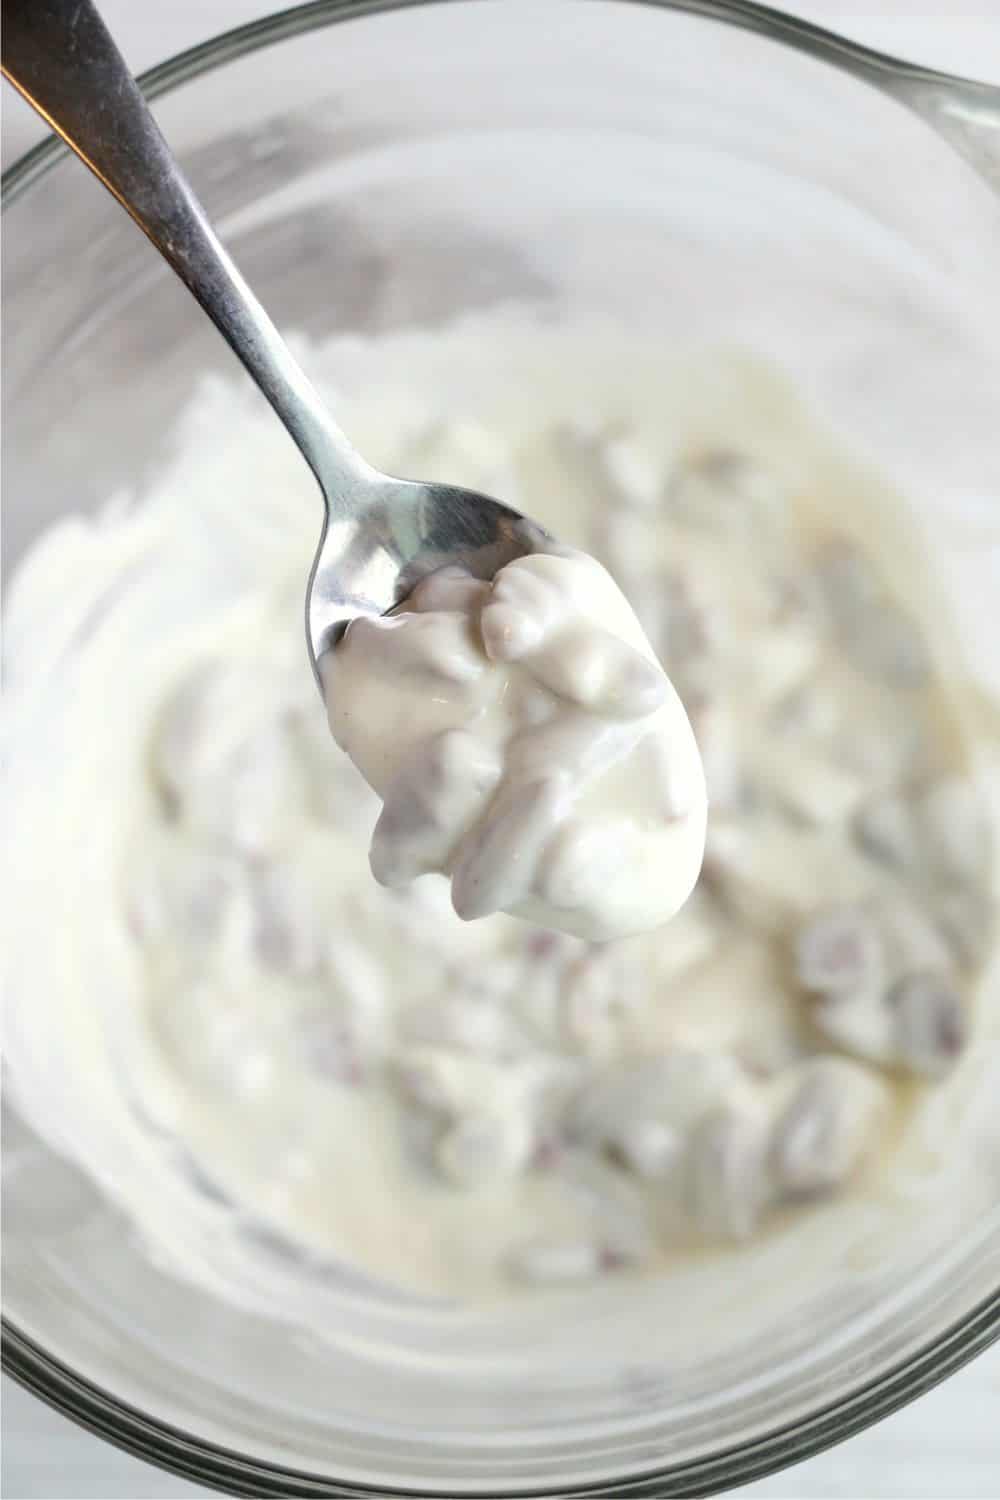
x=218, y=1467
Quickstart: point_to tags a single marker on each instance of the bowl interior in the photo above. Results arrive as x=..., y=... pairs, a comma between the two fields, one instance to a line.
x=609, y=162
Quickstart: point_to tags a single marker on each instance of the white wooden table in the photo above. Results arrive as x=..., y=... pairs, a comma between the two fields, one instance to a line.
x=945, y=1446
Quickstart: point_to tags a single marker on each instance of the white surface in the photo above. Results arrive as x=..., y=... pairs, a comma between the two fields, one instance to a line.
x=944, y=1445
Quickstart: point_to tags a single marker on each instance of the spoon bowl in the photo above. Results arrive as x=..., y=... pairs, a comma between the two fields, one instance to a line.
x=374, y=550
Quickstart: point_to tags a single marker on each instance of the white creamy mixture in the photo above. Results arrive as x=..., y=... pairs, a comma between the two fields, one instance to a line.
x=525, y=743
x=213, y=999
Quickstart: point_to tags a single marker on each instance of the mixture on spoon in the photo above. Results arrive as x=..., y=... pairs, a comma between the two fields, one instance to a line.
x=526, y=743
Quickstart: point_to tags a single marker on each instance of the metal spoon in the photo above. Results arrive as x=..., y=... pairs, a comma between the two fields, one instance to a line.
x=380, y=535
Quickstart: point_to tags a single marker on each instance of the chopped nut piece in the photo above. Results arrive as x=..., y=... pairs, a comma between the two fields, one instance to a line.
x=482, y=1147
x=827, y=1125
x=967, y=923
x=288, y=932
x=720, y=490
x=810, y=786
x=886, y=643
x=840, y=953
x=727, y=1183
x=847, y=580
x=956, y=828
x=859, y=1022
x=884, y=827
x=647, y=1147
x=930, y=1027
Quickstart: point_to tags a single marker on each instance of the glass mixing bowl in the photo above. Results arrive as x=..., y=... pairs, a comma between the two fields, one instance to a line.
x=374, y=166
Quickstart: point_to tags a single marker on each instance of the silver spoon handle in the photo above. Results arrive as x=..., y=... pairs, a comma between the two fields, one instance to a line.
x=61, y=57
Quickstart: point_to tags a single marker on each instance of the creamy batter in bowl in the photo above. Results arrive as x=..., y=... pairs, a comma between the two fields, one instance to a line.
x=888, y=330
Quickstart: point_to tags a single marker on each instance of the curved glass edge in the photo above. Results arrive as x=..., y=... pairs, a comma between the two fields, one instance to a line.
x=878, y=68
x=219, y=1468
